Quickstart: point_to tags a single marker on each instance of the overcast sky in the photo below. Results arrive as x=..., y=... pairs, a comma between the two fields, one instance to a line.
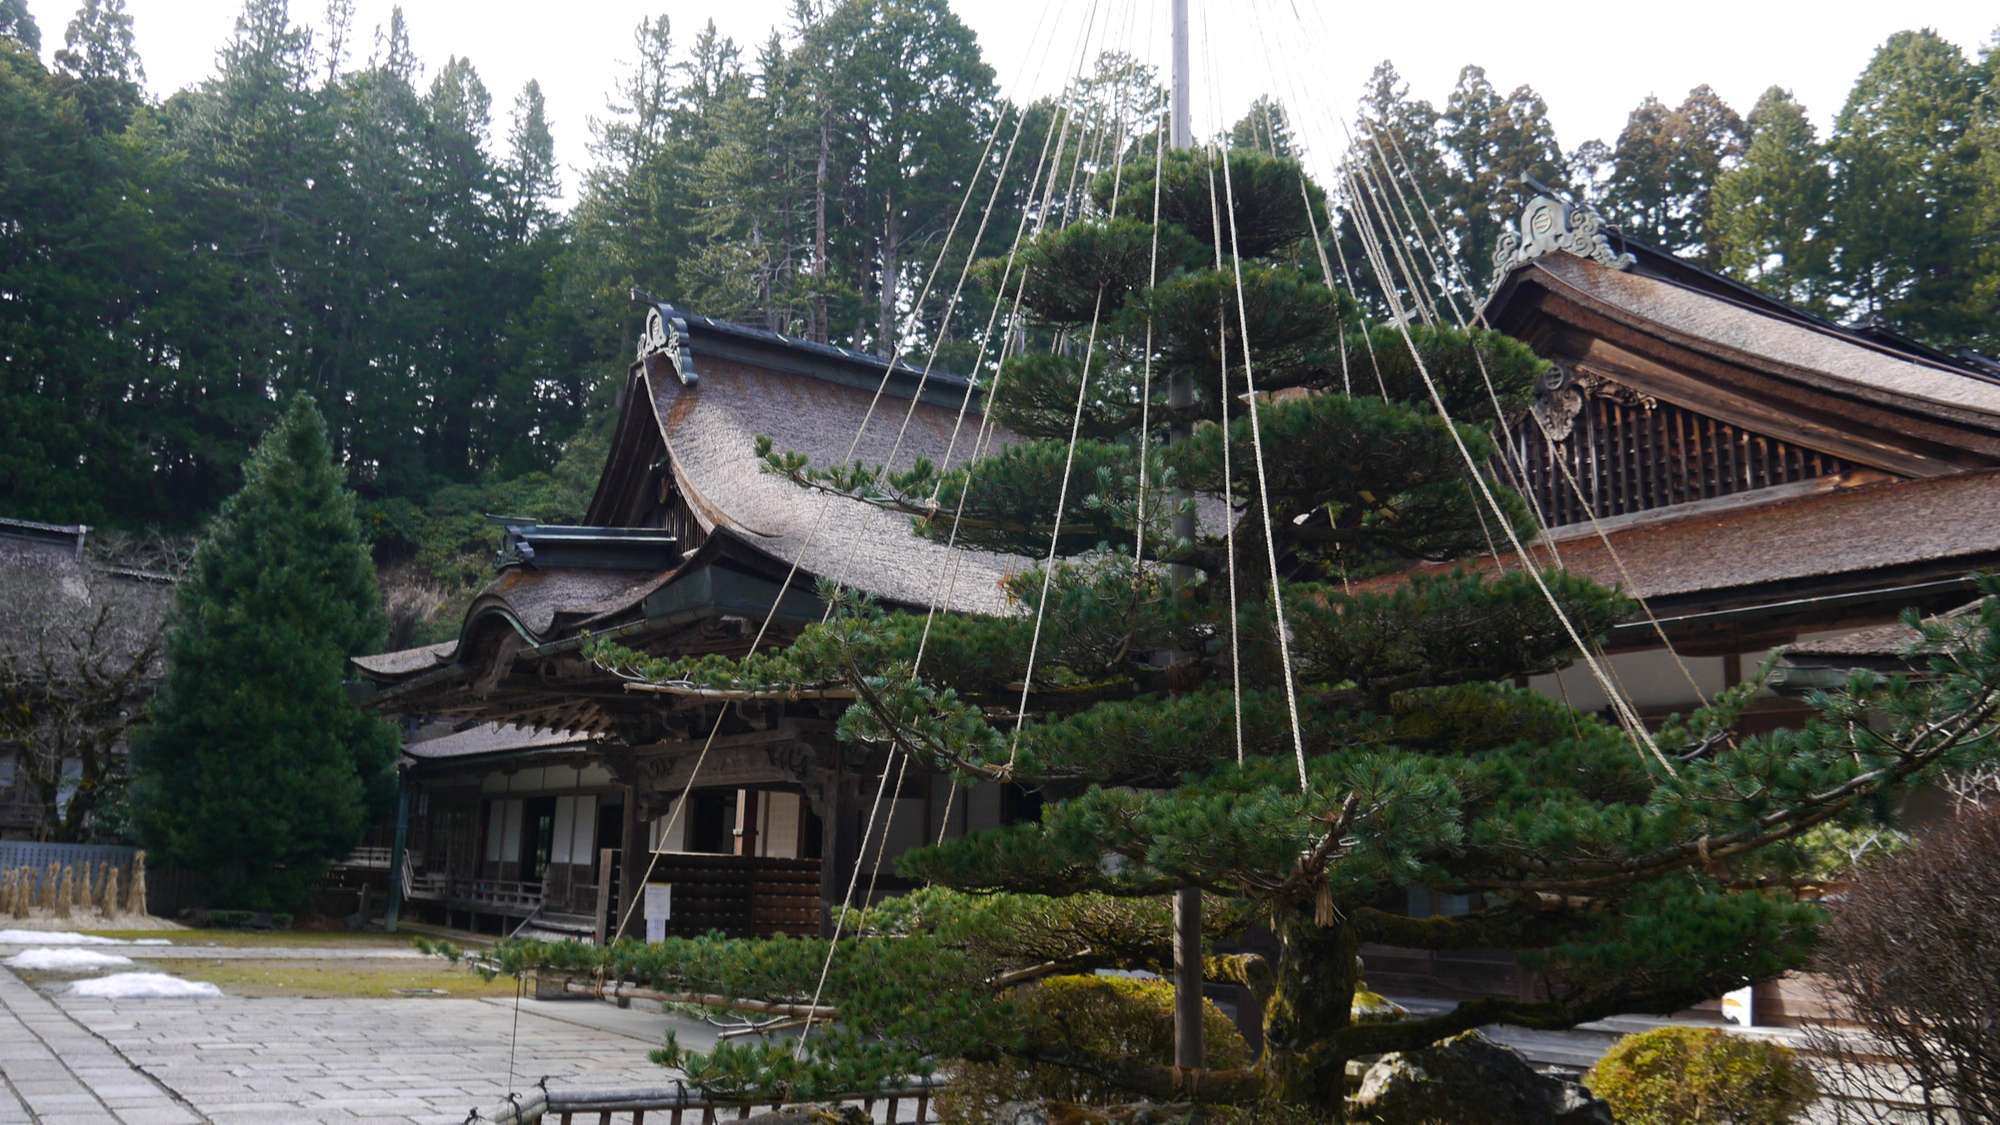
x=1592, y=64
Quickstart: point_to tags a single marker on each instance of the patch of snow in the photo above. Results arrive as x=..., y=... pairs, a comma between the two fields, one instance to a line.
x=53, y=937
x=151, y=941
x=135, y=986
x=67, y=960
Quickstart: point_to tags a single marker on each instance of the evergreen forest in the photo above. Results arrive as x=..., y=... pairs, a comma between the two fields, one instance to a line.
x=325, y=214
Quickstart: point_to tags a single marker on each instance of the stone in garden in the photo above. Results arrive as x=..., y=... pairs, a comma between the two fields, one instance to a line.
x=1470, y=1078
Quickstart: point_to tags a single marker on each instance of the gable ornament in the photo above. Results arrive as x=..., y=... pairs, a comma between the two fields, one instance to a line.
x=1561, y=392
x=1547, y=225
x=666, y=336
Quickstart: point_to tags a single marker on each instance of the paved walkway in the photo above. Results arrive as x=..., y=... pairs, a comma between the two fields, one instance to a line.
x=236, y=1059
x=55, y=1071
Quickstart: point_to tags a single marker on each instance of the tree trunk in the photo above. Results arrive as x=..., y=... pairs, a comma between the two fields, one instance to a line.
x=892, y=237
x=1310, y=1006
x=820, y=327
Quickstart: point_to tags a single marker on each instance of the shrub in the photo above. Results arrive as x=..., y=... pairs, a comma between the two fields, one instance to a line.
x=1701, y=1076
x=1115, y=1018
x=1910, y=949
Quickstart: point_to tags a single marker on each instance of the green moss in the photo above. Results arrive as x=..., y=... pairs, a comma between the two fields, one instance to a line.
x=1373, y=1007
x=343, y=978
x=1701, y=1076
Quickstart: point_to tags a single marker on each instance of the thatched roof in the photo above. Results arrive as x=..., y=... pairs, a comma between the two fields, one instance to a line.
x=711, y=431
x=493, y=738
x=1947, y=524
x=1806, y=348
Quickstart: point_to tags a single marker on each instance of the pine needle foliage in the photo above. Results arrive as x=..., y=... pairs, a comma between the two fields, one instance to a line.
x=1632, y=882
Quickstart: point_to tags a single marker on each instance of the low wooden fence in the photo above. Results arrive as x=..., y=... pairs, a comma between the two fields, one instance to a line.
x=680, y=1104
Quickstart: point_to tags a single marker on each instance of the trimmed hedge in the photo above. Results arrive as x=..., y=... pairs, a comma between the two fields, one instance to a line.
x=1120, y=1018
x=1701, y=1076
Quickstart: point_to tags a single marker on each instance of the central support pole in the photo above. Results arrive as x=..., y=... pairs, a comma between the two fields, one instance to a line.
x=396, y=852
x=1180, y=397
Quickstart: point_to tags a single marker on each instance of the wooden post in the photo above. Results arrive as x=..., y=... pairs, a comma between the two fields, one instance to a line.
x=746, y=820
x=1187, y=978
x=1180, y=394
x=395, y=856
x=836, y=846
x=600, y=928
x=634, y=860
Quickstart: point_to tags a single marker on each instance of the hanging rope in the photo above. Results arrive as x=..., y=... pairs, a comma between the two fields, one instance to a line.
x=854, y=875
x=812, y=535
x=1400, y=317
x=1257, y=455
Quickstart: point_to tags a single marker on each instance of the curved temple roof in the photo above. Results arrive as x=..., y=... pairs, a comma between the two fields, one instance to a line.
x=698, y=398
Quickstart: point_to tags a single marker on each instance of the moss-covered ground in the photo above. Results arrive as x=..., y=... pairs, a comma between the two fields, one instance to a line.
x=381, y=979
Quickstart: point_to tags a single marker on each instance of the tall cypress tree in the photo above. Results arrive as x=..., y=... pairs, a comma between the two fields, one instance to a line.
x=1769, y=221
x=1905, y=182
x=254, y=767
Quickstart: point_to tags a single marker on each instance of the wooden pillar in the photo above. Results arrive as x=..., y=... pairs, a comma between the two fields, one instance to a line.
x=633, y=862
x=746, y=820
x=607, y=858
x=1187, y=978
x=396, y=855
x=837, y=849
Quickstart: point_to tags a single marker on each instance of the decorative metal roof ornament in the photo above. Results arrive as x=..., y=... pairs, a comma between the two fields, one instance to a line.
x=1548, y=224
x=1562, y=390
x=666, y=336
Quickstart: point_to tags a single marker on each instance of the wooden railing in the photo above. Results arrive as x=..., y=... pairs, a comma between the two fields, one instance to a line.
x=680, y=1104
x=502, y=895
x=367, y=857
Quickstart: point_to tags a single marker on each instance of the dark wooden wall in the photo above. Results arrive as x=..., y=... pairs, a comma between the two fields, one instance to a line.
x=1634, y=456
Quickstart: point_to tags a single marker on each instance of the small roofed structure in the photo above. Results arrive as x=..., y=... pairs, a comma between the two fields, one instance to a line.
x=557, y=772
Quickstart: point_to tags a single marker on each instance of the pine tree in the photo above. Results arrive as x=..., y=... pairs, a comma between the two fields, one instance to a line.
x=1492, y=143
x=1770, y=213
x=253, y=766
x=1629, y=875
x=1408, y=130
x=1712, y=137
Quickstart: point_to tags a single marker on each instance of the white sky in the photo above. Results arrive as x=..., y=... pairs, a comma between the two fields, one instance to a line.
x=1592, y=65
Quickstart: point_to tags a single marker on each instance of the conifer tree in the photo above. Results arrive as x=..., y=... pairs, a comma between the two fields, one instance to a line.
x=1770, y=222
x=1905, y=186
x=1635, y=877
x=254, y=768
x=1665, y=166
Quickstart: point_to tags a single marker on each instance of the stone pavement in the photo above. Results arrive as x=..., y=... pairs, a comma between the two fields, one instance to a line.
x=54, y=1071
x=237, y=1059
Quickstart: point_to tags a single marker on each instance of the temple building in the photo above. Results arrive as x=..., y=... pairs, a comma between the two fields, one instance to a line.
x=1758, y=476
x=559, y=769
x=1767, y=482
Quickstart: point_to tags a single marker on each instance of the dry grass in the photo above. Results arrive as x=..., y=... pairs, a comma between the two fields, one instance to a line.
x=347, y=978
x=334, y=939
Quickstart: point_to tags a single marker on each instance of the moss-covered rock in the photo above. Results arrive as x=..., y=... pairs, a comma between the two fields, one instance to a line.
x=1470, y=1078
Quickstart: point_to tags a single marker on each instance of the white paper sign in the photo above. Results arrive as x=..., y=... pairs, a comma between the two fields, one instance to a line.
x=1736, y=1006
x=659, y=907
